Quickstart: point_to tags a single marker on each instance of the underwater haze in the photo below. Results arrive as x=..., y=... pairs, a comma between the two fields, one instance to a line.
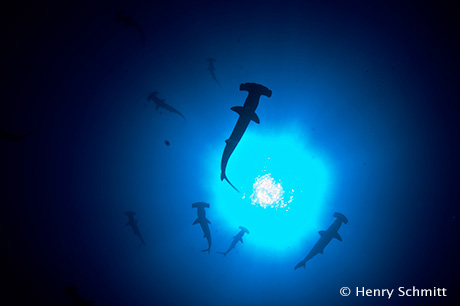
x=114, y=121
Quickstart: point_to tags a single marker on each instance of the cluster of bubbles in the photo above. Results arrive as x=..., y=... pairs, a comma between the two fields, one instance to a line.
x=268, y=193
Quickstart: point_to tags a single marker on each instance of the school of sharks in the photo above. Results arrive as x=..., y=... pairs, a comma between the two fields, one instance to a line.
x=246, y=115
x=176, y=153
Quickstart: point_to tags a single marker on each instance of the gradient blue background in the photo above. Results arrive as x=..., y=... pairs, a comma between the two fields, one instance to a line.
x=369, y=91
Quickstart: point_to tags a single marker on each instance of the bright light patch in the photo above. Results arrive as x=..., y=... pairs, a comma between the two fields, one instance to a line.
x=267, y=192
x=277, y=171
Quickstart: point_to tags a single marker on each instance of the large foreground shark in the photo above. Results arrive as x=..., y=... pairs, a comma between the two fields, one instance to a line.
x=247, y=113
x=238, y=237
x=161, y=103
x=203, y=222
x=326, y=237
x=133, y=223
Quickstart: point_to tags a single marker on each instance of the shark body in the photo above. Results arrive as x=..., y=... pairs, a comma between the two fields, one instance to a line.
x=326, y=237
x=247, y=113
x=12, y=137
x=133, y=223
x=212, y=69
x=238, y=237
x=129, y=22
x=160, y=103
x=203, y=222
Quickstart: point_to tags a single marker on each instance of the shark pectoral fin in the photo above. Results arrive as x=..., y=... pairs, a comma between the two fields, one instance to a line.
x=321, y=233
x=321, y=251
x=241, y=239
x=238, y=109
x=208, y=221
x=337, y=236
x=255, y=118
x=196, y=222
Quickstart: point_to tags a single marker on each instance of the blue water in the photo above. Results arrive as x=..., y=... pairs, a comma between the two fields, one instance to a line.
x=363, y=120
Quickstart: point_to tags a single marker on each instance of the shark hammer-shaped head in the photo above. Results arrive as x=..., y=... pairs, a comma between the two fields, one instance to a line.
x=256, y=89
x=341, y=217
x=244, y=229
x=200, y=204
x=152, y=96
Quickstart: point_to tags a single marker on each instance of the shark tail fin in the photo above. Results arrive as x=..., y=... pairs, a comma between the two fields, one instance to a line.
x=223, y=253
x=300, y=264
x=224, y=177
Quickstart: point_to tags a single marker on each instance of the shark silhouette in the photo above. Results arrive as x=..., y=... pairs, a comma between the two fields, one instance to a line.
x=12, y=137
x=133, y=223
x=129, y=22
x=326, y=237
x=212, y=69
x=203, y=222
x=71, y=292
x=247, y=113
x=161, y=103
x=238, y=237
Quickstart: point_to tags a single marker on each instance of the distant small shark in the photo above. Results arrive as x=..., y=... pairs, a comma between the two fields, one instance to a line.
x=326, y=237
x=12, y=137
x=161, y=103
x=129, y=22
x=71, y=292
x=212, y=69
x=238, y=237
x=133, y=223
x=247, y=113
x=203, y=222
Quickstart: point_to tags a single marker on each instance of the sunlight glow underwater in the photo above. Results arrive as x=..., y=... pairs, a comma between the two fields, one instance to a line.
x=283, y=188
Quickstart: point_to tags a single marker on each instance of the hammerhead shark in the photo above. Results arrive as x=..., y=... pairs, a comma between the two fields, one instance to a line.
x=326, y=237
x=12, y=137
x=203, y=222
x=212, y=69
x=238, y=237
x=129, y=22
x=247, y=113
x=161, y=103
x=133, y=223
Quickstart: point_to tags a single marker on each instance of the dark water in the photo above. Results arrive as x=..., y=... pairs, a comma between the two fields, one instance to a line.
x=363, y=120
